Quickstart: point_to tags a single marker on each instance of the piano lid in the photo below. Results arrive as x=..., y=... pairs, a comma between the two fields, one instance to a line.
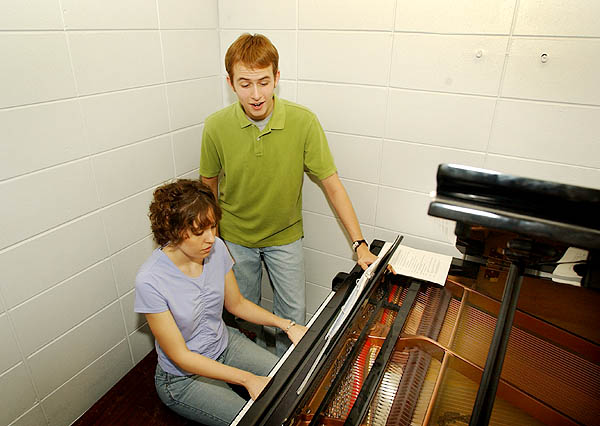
x=531, y=207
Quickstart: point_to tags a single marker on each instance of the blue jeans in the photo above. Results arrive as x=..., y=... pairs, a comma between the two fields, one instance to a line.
x=285, y=266
x=210, y=401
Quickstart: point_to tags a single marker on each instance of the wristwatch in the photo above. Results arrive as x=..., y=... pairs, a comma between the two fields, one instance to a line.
x=356, y=244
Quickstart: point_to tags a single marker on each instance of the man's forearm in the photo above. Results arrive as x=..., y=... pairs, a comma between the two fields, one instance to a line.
x=337, y=195
x=213, y=184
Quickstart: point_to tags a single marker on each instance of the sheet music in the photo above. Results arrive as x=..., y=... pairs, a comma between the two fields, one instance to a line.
x=564, y=272
x=421, y=264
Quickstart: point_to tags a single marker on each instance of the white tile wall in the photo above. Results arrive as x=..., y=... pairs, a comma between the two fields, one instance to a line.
x=35, y=416
x=141, y=342
x=441, y=119
x=59, y=254
x=18, y=395
x=459, y=16
x=190, y=175
x=101, y=101
x=267, y=14
x=571, y=67
x=356, y=157
x=346, y=15
x=62, y=193
x=326, y=234
x=75, y=298
x=359, y=110
x=413, y=166
x=188, y=14
x=92, y=338
x=127, y=222
x=29, y=149
x=120, y=118
x=552, y=132
x=109, y=14
x=39, y=15
x=190, y=102
x=10, y=351
x=347, y=57
x=133, y=321
x=186, y=146
x=558, y=18
x=406, y=212
x=183, y=60
x=66, y=404
x=363, y=194
x=22, y=82
x=113, y=60
x=448, y=63
x=126, y=263
x=134, y=168
x=321, y=267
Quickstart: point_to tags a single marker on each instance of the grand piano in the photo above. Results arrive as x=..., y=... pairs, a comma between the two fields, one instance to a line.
x=511, y=338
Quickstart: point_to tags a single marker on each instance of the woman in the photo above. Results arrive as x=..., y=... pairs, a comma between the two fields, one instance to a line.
x=182, y=289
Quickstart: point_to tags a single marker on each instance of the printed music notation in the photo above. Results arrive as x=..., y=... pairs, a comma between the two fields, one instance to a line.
x=421, y=264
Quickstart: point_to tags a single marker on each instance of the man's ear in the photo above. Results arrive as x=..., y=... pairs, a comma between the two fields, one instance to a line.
x=277, y=78
x=230, y=83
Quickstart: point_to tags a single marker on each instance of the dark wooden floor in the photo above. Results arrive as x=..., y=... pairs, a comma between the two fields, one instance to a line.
x=133, y=402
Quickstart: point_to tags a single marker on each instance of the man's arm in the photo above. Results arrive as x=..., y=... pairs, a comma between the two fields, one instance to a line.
x=213, y=184
x=337, y=195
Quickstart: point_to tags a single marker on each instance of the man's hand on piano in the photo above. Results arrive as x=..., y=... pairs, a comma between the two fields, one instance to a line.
x=255, y=385
x=296, y=332
x=365, y=257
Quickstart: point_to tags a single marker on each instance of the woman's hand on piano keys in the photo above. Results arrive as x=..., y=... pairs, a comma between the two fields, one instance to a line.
x=365, y=257
x=296, y=332
x=255, y=385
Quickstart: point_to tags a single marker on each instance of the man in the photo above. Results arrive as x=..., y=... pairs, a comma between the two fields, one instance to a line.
x=263, y=145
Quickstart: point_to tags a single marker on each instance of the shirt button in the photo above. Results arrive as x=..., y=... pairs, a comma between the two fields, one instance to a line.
x=258, y=139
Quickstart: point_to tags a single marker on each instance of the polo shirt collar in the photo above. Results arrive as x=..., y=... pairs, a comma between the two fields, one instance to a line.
x=277, y=120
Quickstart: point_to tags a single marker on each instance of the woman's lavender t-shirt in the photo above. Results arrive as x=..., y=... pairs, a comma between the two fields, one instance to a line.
x=195, y=303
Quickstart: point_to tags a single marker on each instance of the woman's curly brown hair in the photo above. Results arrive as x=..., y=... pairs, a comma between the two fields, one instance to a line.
x=179, y=206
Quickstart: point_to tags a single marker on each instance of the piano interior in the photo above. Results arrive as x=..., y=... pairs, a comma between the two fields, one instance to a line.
x=551, y=371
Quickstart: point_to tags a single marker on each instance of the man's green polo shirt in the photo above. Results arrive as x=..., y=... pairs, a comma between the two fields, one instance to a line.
x=260, y=191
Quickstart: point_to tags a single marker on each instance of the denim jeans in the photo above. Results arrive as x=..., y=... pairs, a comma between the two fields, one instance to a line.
x=209, y=401
x=285, y=266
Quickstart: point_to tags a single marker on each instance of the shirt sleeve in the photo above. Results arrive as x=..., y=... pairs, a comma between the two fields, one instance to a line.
x=148, y=300
x=318, y=160
x=210, y=163
x=227, y=259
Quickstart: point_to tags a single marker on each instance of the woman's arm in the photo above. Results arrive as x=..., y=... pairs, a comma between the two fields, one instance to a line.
x=171, y=341
x=241, y=307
